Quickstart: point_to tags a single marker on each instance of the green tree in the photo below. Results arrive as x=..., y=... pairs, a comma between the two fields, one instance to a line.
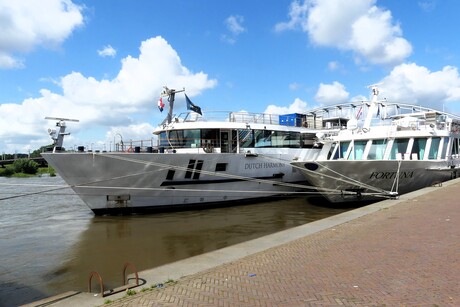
x=37, y=152
x=25, y=166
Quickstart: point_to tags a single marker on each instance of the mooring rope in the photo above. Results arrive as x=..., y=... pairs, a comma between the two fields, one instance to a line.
x=32, y=193
x=215, y=174
x=343, y=178
x=396, y=181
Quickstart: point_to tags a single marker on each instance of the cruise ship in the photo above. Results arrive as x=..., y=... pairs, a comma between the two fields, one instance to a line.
x=201, y=159
x=393, y=149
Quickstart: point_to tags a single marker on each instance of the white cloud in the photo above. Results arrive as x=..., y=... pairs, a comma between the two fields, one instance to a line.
x=298, y=106
x=228, y=39
x=7, y=61
x=333, y=65
x=107, y=51
x=234, y=25
x=297, y=17
x=358, y=26
x=413, y=84
x=427, y=6
x=294, y=86
x=331, y=93
x=104, y=103
x=139, y=80
x=27, y=24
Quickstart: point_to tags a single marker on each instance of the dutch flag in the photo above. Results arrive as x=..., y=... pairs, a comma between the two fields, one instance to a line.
x=161, y=105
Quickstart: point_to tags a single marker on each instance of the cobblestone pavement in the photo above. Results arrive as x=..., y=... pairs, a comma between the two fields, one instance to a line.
x=406, y=255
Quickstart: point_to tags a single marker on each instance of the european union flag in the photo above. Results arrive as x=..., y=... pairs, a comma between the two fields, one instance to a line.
x=191, y=106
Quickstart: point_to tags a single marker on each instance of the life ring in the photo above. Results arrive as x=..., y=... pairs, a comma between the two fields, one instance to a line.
x=130, y=149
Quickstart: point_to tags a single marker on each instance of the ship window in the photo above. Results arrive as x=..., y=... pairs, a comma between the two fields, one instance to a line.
x=276, y=139
x=263, y=138
x=434, y=148
x=199, y=165
x=291, y=139
x=357, y=150
x=399, y=146
x=170, y=174
x=341, y=152
x=209, y=137
x=181, y=139
x=163, y=141
x=176, y=138
x=221, y=167
x=191, y=138
x=280, y=139
x=418, y=149
x=331, y=151
x=190, y=167
x=246, y=138
x=307, y=140
x=377, y=150
x=455, y=147
x=444, y=148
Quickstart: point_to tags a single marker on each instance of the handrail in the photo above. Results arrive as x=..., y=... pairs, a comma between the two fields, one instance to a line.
x=100, y=282
x=125, y=282
x=119, y=289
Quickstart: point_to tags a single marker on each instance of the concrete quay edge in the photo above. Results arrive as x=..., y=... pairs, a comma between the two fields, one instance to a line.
x=199, y=263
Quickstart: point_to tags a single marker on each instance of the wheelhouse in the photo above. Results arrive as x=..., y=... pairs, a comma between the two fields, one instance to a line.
x=237, y=132
x=233, y=140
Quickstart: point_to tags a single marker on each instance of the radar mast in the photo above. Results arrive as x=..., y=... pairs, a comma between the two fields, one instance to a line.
x=58, y=139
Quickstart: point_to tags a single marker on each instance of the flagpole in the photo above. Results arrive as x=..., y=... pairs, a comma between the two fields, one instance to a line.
x=170, y=93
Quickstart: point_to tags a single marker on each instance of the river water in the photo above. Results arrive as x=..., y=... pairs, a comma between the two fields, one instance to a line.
x=50, y=242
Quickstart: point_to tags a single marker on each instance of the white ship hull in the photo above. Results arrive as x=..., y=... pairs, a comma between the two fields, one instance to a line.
x=119, y=183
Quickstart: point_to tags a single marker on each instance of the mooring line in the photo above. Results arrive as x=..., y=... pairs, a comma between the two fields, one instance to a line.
x=300, y=186
x=33, y=193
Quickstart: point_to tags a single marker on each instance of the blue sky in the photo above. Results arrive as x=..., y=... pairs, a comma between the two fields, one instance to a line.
x=104, y=62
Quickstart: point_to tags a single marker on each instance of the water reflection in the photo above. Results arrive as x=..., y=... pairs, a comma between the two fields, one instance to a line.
x=153, y=240
x=50, y=243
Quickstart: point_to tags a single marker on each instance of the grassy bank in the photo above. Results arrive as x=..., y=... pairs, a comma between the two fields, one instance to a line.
x=47, y=171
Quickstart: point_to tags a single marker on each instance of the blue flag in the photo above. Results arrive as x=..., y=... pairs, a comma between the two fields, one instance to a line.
x=191, y=106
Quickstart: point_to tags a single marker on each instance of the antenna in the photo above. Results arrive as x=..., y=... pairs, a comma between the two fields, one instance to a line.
x=59, y=139
x=170, y=93
x=375, y=88
x=62, y=119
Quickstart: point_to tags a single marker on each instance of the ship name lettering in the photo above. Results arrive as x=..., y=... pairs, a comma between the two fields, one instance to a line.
x=263, y=165
x=391, y=175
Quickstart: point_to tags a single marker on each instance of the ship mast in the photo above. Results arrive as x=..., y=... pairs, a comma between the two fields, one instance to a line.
x=59, y=139
x=170, y=93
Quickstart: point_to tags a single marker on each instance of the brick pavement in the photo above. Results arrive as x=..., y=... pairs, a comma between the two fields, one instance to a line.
x=405, y=255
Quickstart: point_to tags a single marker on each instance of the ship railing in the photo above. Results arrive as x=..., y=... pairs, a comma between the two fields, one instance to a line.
x=135, y=146
x=225, y=116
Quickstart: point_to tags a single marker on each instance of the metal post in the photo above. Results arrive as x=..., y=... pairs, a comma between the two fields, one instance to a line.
x=171, y=94
x=171, y=97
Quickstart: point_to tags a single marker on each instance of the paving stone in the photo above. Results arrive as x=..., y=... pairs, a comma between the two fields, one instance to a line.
x=405, y=255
